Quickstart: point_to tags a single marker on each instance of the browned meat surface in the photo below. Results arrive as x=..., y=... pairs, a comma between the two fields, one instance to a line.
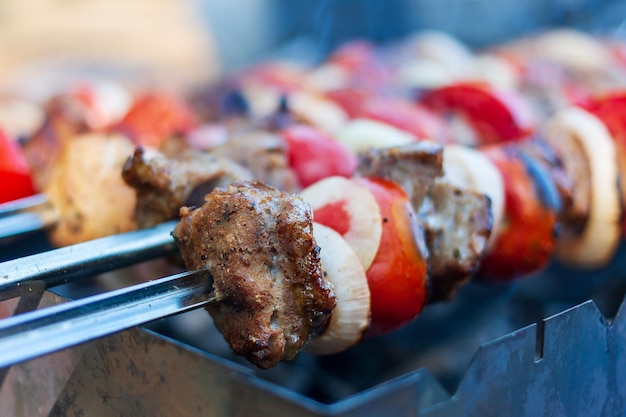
x=163, y=185
x=258, y=244
x=264, y=154
x=457, y=225
x=65, y=119
x=456, y=222
x=414, y=167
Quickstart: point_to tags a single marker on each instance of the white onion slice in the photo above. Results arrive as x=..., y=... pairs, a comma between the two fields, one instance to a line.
x=359, y=135
x=601, y=235
x=318, y=111
x=365, y=227
x=470, y=169
x=344, y=272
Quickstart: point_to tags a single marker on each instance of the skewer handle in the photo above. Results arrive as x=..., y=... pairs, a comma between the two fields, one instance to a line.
x=63, y=265
x=39, y=332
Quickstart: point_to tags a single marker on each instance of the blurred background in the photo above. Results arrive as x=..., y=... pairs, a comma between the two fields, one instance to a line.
x=195, y=40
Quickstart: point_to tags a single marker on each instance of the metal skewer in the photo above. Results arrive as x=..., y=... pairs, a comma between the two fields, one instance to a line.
x=26, y=215
x=63, y=265
x=39, y=332
x=26, y=203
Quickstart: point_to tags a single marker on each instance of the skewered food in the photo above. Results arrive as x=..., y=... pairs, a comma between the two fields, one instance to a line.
x=421, y=218
x=258, y=244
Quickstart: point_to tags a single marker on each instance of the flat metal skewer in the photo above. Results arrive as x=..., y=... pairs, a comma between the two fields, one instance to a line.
x=22, y=204
x=39, y=332
x=26, y=215
x=63, y=265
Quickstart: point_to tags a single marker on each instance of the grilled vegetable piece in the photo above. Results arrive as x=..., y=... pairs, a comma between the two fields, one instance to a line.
x=155, y=117
x=494, y=115
x=343, y=270
x=313, y=155
x=397, y=277
x=597, y=242
x=14, y=171
x=258, y=245
x=526, y=239
x=163, y=185
x=351, y=210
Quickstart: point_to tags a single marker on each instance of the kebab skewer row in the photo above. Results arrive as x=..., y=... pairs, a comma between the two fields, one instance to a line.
x=335, y=343
x=543, y=214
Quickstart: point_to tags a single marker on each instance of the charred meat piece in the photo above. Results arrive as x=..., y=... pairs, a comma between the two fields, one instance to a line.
x=86, y=190
x=264, y=154
x=65, y=119
x=457, y=226
x=456, y=223
x=414, y=167
x=258, y=244
x=163, y=185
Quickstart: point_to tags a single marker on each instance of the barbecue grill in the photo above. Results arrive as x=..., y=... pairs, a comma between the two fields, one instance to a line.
x=553, y=344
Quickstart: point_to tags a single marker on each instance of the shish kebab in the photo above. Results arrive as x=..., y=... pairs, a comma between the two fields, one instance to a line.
x=565, y=123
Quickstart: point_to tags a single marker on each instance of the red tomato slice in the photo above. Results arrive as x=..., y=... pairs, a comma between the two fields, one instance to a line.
x=526, y=241
x=406, y=116
x=154, y=118
x=397, y=277
x=15, y=178
x=495, y=116
x=349, y=99
x=314, y=156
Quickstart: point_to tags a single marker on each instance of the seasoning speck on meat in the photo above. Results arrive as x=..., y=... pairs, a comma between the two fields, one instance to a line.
x=258, y=244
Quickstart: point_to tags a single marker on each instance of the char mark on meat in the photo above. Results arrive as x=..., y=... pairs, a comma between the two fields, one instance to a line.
x=258, y=244
x=457, y=226
x=264, y=154
x=455, y=223
x=163, y=185
x=414, y=167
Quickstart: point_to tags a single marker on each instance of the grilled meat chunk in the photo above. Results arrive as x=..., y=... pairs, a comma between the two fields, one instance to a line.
x=264, y=154
x=258, y=244
x=457, y=225
x=85, y=188
x=163, y=185
x=413, y=167
x=455, y=222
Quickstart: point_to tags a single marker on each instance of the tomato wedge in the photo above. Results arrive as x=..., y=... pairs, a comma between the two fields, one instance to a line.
x=397, y=277
x=526, y=240
x=155, y=117
x=495, y=116
x=14, y=171
x=314, y=156
x=349, y=99
x=406, y=116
